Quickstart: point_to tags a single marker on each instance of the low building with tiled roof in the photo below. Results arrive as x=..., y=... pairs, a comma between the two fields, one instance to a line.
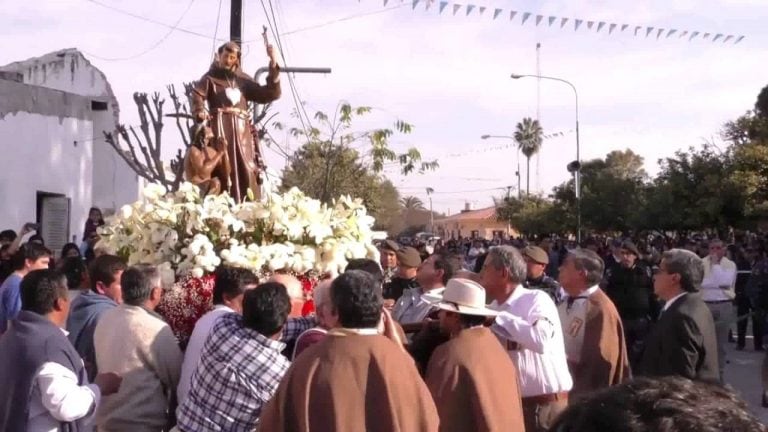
x=482, y=223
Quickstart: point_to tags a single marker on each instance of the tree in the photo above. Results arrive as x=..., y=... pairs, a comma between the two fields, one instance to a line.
x=346, y=153
x=695, y=190
x=528, y=135
x=411, y=203
x=348, y=177
x=611, y=193
x=143, y=153
x=530, y=215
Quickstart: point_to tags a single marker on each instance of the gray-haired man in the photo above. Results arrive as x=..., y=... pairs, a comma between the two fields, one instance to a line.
x=683, y=341
x=529, y=328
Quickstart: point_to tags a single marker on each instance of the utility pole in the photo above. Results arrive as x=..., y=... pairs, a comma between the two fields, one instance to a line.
x=236, y=21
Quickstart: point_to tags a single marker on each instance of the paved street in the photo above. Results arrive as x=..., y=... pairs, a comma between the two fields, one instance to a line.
x=743, y=373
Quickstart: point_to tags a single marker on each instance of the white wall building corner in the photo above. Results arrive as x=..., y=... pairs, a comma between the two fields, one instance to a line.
x=53, y=112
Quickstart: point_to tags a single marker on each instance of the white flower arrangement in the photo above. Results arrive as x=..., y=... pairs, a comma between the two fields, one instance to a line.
x=187, y=234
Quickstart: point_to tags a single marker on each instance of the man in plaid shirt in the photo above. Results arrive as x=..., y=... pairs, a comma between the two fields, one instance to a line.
x=241, y=364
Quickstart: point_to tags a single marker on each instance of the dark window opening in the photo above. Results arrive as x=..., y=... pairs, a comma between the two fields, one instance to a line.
x=99, y=106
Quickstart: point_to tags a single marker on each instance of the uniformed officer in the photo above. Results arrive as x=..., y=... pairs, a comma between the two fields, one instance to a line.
x=630, y=288
x=536, y=260
x=388, y=250
x=408, y=262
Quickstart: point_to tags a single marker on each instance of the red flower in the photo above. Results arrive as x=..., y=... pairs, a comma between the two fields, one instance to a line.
x=185, y=303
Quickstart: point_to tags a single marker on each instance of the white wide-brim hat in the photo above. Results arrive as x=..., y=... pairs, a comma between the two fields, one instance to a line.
x=462, y=296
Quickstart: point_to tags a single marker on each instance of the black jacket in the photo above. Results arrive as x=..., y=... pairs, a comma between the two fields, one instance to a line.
x=683, y=342
x=631, y=290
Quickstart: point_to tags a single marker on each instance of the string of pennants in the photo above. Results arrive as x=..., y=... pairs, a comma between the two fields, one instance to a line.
x=597, y=26
x=501, y=147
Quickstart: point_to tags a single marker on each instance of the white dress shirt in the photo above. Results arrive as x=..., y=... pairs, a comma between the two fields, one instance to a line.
x=671, y=301
x=411, y=308
x=195, y=348
x=57, y=397
x=529, y=329
x=717, y=276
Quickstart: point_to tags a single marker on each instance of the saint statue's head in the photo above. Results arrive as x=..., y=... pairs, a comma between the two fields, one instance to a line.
x=229, y=56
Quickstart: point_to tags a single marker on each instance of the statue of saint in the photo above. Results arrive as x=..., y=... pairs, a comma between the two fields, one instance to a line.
x=227, y=90
x=205, y=164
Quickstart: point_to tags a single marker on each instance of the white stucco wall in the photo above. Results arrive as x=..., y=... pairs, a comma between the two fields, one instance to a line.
x=39, y=156
x=112, y=182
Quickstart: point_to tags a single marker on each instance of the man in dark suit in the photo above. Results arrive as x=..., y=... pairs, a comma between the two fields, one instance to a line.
x=683, y=341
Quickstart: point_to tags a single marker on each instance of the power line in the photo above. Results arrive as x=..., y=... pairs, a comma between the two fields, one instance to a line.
x=173, y=28
x=346, y=18
x=294, y=92
x=216, y=30
x=284, y=49
x=458, y=192
x=152, y=21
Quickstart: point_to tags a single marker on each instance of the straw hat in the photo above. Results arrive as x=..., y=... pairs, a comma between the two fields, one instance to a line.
x=461, y=296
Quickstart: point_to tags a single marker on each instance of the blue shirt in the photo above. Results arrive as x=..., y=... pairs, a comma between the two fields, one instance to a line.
x=10, y=300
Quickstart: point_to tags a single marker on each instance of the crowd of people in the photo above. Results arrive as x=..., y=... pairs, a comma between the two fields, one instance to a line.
x=484, y=338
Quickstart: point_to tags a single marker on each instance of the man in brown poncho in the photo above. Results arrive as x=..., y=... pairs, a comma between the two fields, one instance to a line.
x=227, y=91
x=472, y=379
x=355, y=379
x=594, y=337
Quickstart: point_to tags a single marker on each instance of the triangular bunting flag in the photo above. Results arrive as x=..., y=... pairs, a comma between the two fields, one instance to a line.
x=526, y=15
x=719, y=35
x=637, y=29
x=512, y=15
x=456, y=8
x=671, y=32
x=739, y=40
x=563, y=21
x=610, y=28
x=385, y=3
x=551, y=20
x=415, y=2
x=600, y=25
x=443, y=4
x=693, y=35
x=469, y=9
x=658, y=34
x=482, y=10
x=539, y=18
x=648, y=31
x=496, y=13
x=577, y=24
x=590, y=24
x=428, y=5
x=624, y=27
x=727, y=38
x=706, y=36
x=682, y=35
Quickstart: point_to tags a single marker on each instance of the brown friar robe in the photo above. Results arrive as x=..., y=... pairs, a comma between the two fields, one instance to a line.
x=226, y=95
x=351, y=383
x=474, y=384
x=594, y=343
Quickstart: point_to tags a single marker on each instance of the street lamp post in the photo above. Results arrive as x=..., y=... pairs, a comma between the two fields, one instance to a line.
x=431, y=214
x=485, y=137
x=577, y=174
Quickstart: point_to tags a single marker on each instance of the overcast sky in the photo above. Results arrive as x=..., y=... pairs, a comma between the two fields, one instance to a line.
x=448, y=75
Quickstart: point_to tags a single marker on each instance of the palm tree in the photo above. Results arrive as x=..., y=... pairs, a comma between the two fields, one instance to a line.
x=411, y=203
x=528, y=135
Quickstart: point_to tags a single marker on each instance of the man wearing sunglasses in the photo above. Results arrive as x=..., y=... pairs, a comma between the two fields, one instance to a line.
x=718, y=289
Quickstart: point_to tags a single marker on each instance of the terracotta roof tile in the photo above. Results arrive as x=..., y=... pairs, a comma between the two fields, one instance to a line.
x=481, y=214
